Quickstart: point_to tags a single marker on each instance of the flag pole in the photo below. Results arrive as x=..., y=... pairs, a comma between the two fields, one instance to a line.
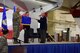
x=4, y=2
x=14, y=7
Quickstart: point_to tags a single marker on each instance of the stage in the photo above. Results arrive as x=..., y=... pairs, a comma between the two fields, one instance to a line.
x=49, y=47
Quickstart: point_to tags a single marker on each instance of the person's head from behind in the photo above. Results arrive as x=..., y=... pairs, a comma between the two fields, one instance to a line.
x=27, y=13
x=5, y=31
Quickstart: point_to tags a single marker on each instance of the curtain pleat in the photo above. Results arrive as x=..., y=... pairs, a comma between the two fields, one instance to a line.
x=50, y=48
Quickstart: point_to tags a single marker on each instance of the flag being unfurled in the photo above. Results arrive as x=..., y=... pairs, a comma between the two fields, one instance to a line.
x=4, y=20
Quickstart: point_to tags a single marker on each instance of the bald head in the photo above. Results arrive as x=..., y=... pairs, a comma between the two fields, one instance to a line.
x=18, y=9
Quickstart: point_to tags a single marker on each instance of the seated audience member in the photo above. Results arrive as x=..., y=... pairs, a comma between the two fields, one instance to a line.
x=3, y=42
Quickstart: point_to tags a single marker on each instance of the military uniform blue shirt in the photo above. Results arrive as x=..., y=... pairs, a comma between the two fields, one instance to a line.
x=26, y=20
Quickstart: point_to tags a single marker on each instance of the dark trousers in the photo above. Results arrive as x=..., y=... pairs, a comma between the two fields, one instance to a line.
x=26, y=33
x=42, y=35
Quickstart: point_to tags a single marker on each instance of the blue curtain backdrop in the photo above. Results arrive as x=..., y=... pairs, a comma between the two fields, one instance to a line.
x=50, y=48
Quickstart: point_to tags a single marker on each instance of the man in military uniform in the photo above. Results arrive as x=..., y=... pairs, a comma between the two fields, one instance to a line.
x=3, y=42
x=16, y=24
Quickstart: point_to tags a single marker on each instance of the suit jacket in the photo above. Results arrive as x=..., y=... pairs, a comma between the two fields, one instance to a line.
x=43, y=23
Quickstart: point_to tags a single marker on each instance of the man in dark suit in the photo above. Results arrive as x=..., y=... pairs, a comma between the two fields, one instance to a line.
x=43, y=27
